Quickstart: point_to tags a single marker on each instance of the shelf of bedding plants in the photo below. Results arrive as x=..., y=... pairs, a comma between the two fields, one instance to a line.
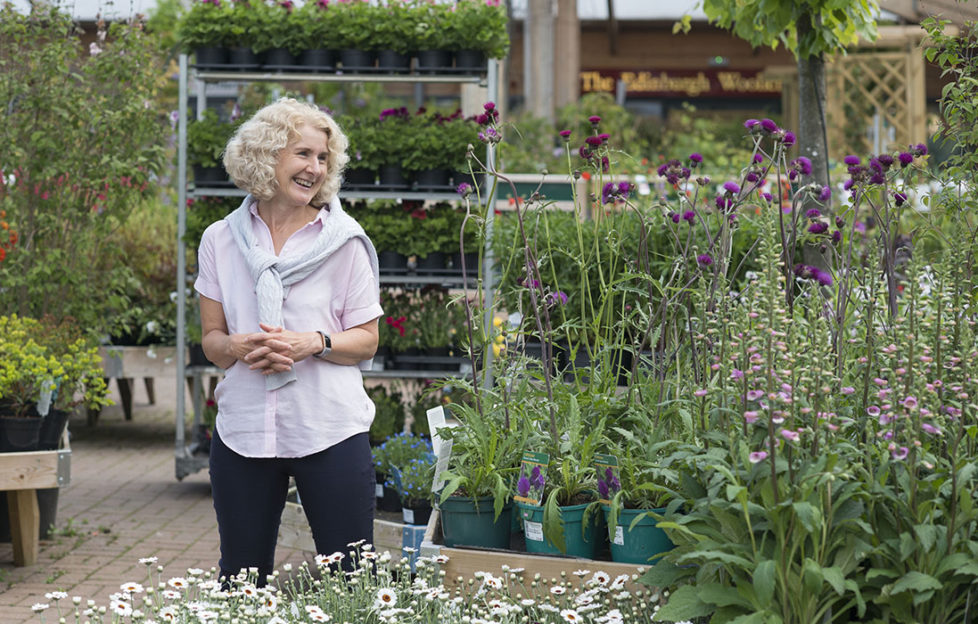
x=190, y=457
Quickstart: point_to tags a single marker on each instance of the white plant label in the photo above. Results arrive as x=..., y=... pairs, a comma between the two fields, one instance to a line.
x=408, y=515
x=533, y=530
x=619, y=536
x=379, y=490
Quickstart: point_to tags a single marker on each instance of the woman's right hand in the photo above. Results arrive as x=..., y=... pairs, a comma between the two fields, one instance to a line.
x=265, y=352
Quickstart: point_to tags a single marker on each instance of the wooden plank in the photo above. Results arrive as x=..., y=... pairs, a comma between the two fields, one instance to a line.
x=294, y=530
x=121, y=362
x=25, y=522
x=28, y=471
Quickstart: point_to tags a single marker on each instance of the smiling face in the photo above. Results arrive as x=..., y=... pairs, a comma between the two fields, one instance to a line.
x=301, y=167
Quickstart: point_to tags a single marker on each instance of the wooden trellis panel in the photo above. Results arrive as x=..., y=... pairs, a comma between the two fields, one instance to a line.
x=876, y=91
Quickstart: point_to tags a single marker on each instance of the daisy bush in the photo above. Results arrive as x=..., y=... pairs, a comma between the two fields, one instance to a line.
x=380, y=589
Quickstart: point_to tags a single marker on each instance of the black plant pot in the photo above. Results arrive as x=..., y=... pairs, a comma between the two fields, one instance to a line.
x=52, y=426
x=243, y=59
x=471, y=263
x=391, y=62
x=409, y=359
x=210, y=177
x=359, y=179
x=387, y=498
x=211, y=57
x=433, y=180
x=392, y=262
x=394, y=178
x=279, y=59
x=434, y=62
x=432, y=264
x=319, y=60
x=357, y=61
x=470, y=62
x=19, y=434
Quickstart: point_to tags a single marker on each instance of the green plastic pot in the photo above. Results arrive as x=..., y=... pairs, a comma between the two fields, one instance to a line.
x=642, y=542
x=471, y=522
x=581, y=541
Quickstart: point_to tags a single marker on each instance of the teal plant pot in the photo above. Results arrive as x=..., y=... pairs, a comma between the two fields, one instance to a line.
x=581, y=540
x=472, y=522
x=640, y=543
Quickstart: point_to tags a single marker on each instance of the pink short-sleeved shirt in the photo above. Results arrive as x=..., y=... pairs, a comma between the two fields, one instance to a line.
x=327, y=403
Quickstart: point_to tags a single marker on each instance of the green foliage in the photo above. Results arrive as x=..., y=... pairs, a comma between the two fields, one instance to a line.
x=433, y=140
x=365, y=148
x=282, y=27
x=83, y=143
x=395, y=27
x=244, y=23
x=389, y=415
x=476, y=25
x=205, y=23
x=400, y=449
x=207, y=137
x=47, y=356
x=313, y=24
x=353, y=25
x=439, y=316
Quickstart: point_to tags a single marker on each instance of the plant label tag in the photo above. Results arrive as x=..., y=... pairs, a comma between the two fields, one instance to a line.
x=606, y=469
x=396, y=476
x=533, y=530
x=379, y=490
x=532, y=479
x=619, y=536
x=409, y=515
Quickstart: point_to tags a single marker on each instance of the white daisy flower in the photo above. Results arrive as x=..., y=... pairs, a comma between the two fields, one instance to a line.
x=131, y=588
x=492, y=582
x=319, y=617
x=619, y=582
x=148, y=560
x=310, y=609
x=178, y=583
x=581, y=573
x=385, y=598
x=270, y=601
x=528, y=602
x=440, y=558
x=571, y=615
x=120, y=608
x=195, y=572
x=168, y=614
x=546, y=606
x=37, y=607
x=601, y=578
x=558, y=590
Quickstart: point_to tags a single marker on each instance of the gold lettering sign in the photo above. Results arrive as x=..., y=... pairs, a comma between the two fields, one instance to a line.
x=685, y=82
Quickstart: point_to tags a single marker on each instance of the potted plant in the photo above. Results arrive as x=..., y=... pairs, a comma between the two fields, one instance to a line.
x=206, y=140
x=388, y=421
x=476, y=30
x=364, y=151
x=393, y=37
x=245, y=21
x=282, y=38
x=413, y=482
x=390, y=230
x=430, y=149
x=203, y=31
x=428, y=38
x=435, y=239
x=394, y=130
x=353, y=23
x=313, y=23
x=475, y=498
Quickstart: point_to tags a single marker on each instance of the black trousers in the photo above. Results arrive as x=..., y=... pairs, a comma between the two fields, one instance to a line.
x=336, y=487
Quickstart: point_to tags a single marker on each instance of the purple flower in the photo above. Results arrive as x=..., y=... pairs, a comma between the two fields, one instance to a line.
x=899, y=198
x=565, y=134
x=790, y=435
x=602, y=489
x=758, y=158
x=723, y=203
x=921, y=149
x=689, y=216
x=802, y=164
x=873, y=410
x=753, y=395
x=604, y=137
x=848, y=184
x=674, y=216
x=899, y=454
x=704, y=260
x=818, y=227
x=752, y=177
x=593, y=141
x=489, y=106
x=584, y=152
x=736, y=374
x=559, y=297
x=836, y=236
x=731, y=187
x=813, y=213
x=752, y=124
x=757, y=456
x=789, y=138
x=851, y=160
x=536, y=477
x=464, y=189
x=825, y=194
x=929, y=428
x=823, y=277
x=905, y=158
x=877, y=178
x=695, y=158
x=769, y=126
x=594, y=119
x=767, y=197
x=885, y=160
x=523, y=486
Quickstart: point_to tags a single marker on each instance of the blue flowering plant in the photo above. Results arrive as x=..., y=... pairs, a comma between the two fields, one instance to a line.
x=414, y=480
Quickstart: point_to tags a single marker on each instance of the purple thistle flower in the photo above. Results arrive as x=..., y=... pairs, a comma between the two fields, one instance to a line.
x=593, y=141
x=605, y=164
x=604, y=137
x=813, y=213
x=674, y=216
x=482, y=119
x=848, y=184
x=731, y=187
x=823, y=277
x=695, y=158
x=837, y=236
x=818, y=227
x=752, y=124
x=624, y=188
x=825, y=194
x=839, y=222
x=752, y=177
x=767, y=197
x=851, y=160
x=584, y=152
x=758, y=158
x=464, y=189
x=489, y=106
x=905, y=158
x=899, y=198
x=886, y=160
x=565, y=134
x=723, y=203
x=594, y=119
x=769, y=126
x=802, y=164
x=523, y=486
x=877, y=178
x=704, y=260
x=921, y=149
x=602, y=489
x=789, y=138
x=689, y=216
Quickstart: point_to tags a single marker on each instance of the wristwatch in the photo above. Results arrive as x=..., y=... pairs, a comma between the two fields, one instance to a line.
x=327, y=345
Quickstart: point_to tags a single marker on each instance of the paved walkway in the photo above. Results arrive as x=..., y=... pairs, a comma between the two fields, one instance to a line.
x=124, y=503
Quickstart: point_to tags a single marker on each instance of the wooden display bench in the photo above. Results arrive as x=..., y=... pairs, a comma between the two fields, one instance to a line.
x=21, y=474
x=125, y=364
x=462, y=562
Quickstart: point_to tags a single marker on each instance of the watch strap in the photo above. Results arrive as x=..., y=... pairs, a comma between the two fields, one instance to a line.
x=327, y=344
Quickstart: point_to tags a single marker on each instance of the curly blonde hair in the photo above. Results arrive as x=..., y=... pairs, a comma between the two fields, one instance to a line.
x=252, y=153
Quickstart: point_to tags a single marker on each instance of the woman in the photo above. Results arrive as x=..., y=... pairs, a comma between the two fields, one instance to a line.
x=289, y=301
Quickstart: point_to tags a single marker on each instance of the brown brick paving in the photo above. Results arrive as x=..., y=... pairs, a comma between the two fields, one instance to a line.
x=124, y=503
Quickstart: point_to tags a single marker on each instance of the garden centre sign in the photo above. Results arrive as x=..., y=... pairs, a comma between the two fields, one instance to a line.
x=683, y=82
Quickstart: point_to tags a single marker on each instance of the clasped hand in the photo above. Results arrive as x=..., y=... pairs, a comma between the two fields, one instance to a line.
x=273, y=350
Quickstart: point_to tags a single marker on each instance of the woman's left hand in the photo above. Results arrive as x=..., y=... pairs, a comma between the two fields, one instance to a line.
x=301, y=344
